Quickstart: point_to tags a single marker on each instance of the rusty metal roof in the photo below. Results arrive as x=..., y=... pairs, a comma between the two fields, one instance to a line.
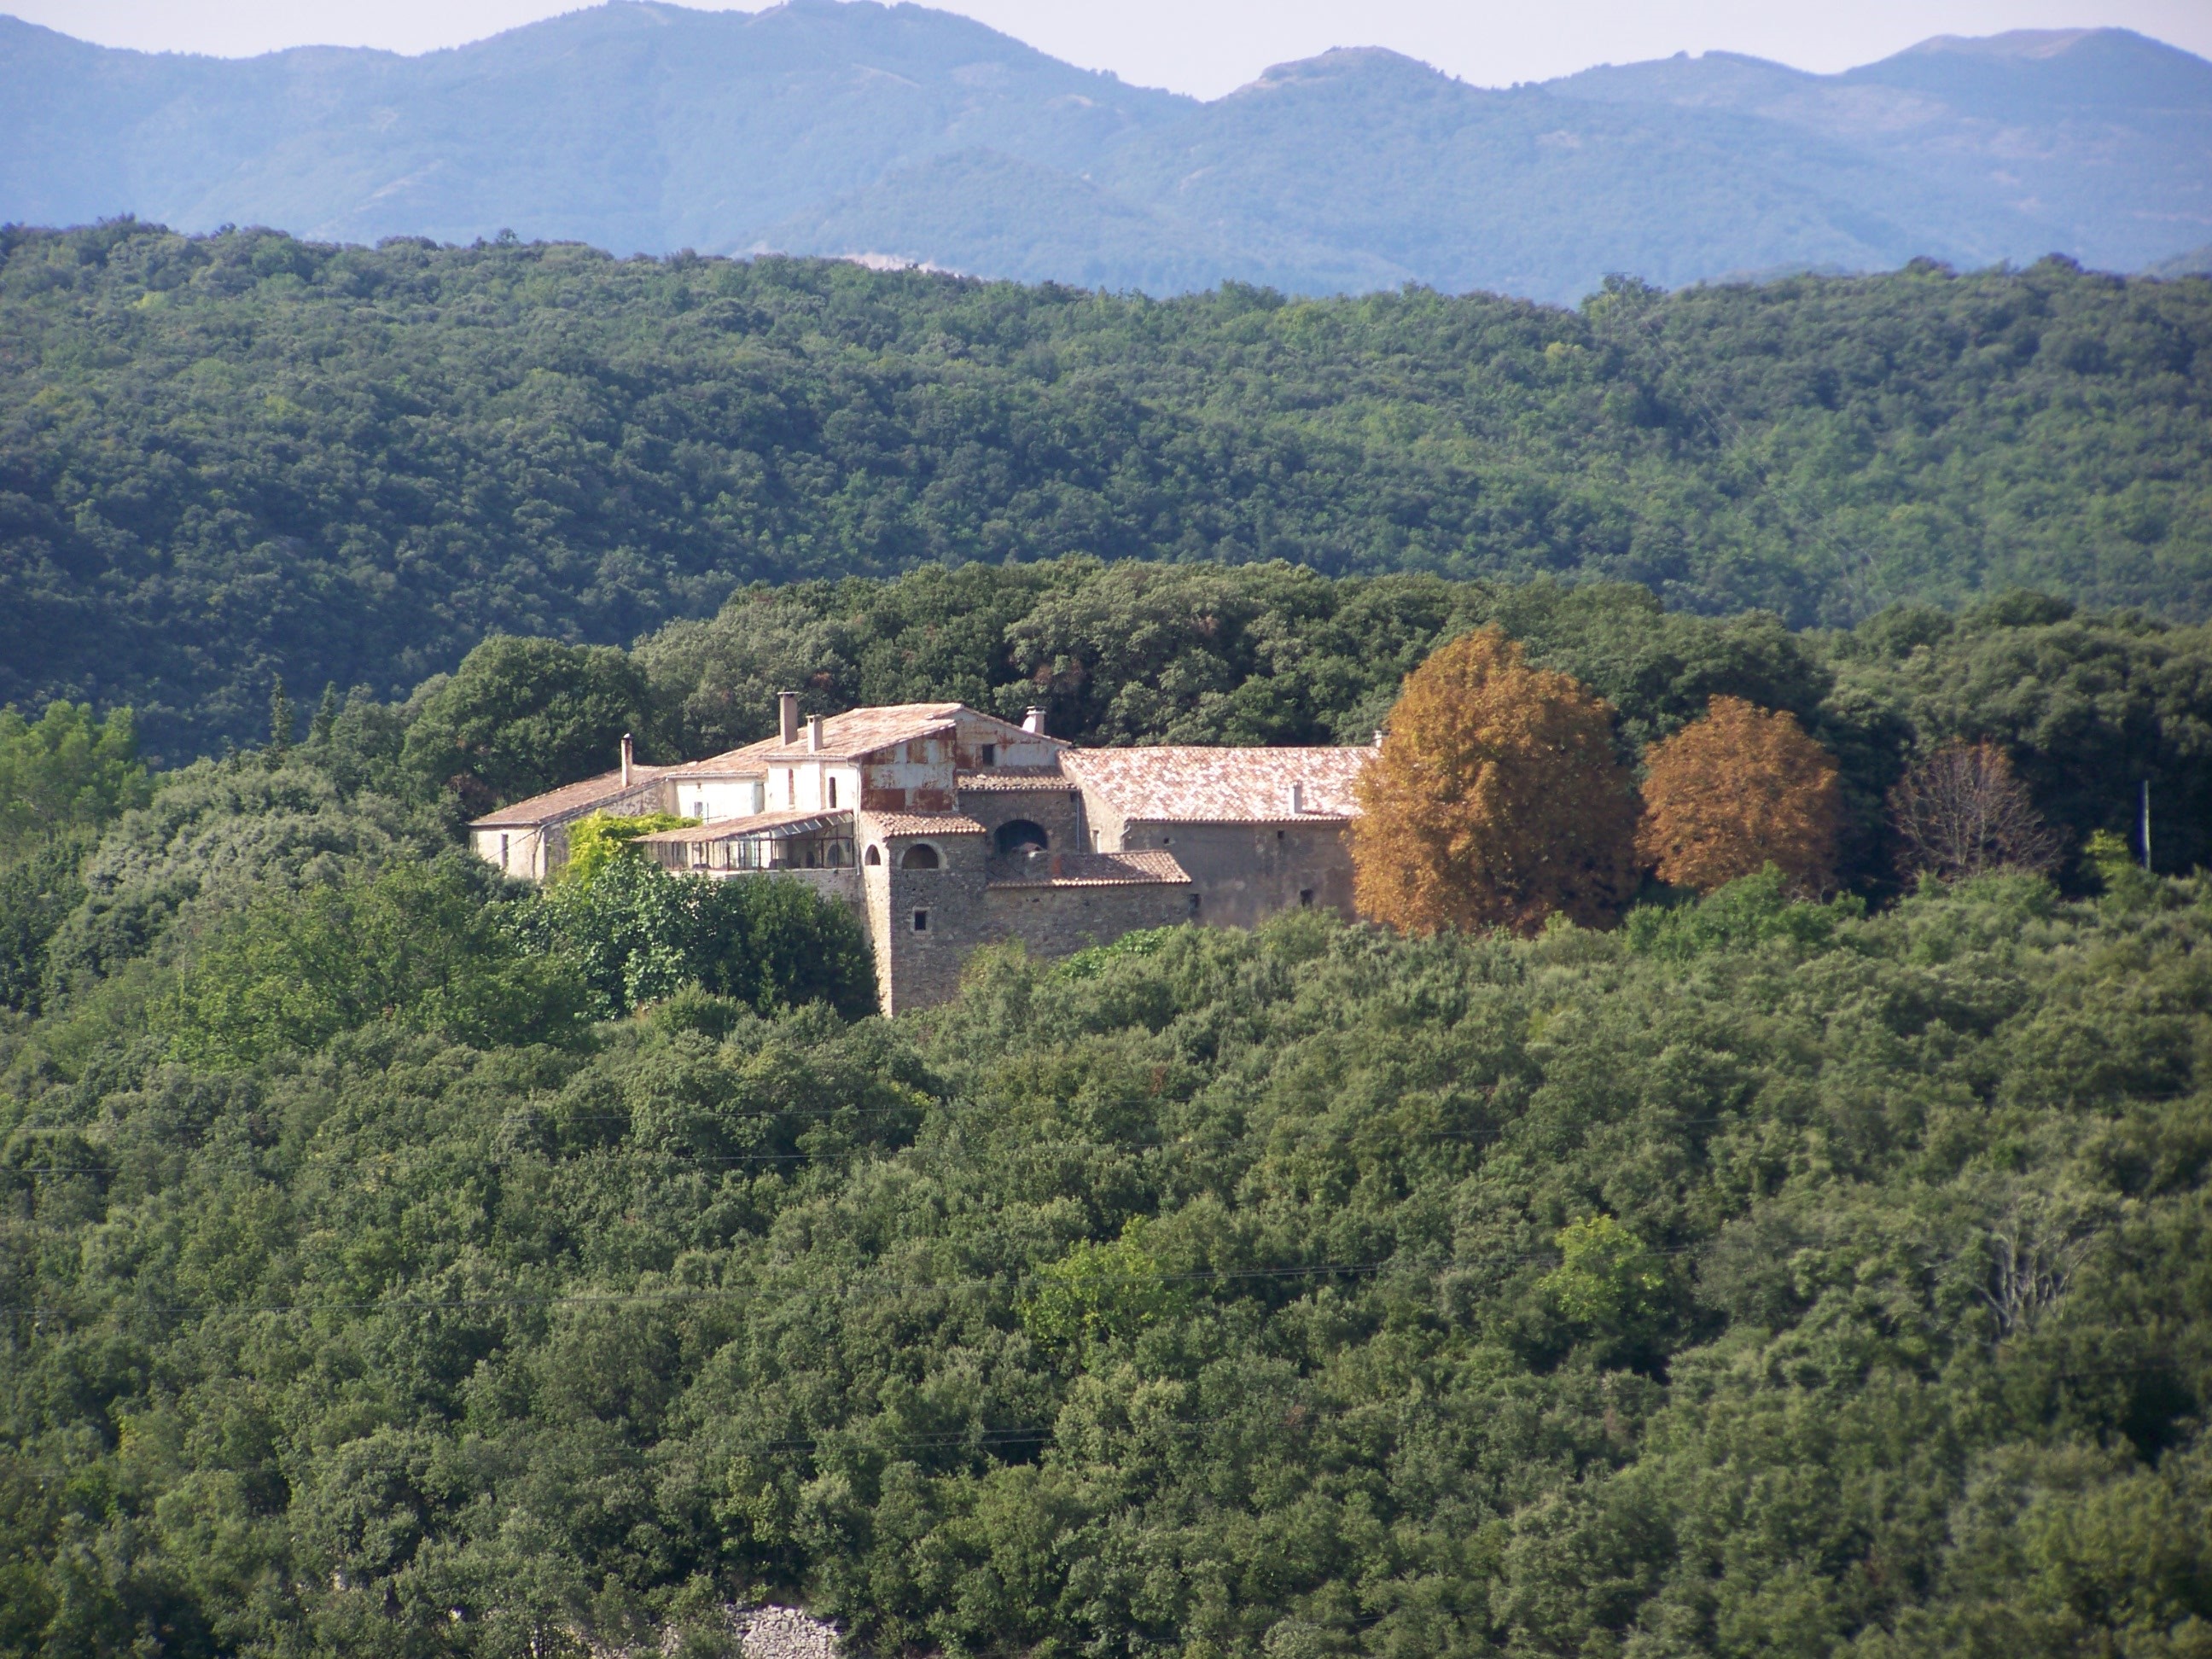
x=1098, y=869
x=1221, y=786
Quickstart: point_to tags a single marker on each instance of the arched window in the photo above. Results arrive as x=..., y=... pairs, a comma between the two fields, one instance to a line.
x=875, y=856
x=1021, y=837
x=920, y=856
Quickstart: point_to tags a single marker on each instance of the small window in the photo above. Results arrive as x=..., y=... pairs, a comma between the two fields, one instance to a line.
x=790, y=786
x=1305, y=898
x=990, y=754
x=699, y=811
x=922, y=921
x=1193, y=904
x=1278, y=835
x=1167, y=841
x=502, y=852
x=875, y=857
x=833, y=792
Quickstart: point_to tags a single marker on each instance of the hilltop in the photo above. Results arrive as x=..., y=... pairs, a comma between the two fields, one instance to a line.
x=906, y=133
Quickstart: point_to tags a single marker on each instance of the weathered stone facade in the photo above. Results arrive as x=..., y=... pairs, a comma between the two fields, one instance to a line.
x=949, y=830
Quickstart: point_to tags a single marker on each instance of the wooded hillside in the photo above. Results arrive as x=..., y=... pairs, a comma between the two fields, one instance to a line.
x=394, y=1262
x=1762, y=1278
x=230, y=458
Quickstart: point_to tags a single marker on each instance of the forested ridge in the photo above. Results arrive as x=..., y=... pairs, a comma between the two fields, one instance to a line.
x=1759, y=1277
x=229, y=458
x=395, y=1262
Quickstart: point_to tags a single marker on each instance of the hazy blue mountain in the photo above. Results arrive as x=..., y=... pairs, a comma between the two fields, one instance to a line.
x=907, y=133
x=983, y=210
x=1372, y=157
x=2197, y=262
x=2100, y=136
x=636, y=127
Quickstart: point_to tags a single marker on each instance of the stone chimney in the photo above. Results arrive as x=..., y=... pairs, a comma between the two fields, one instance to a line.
x=630, y=758
x=1298, y=798
x=814, y=734
x=1033, y=720
x=786, y=715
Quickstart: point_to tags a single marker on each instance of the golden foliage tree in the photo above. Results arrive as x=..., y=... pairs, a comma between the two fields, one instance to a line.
x=1496, y=798
x=1742, y=788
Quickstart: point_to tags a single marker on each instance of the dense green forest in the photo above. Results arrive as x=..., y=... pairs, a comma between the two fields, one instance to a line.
x=1759, y=1278
x=232, y=458
x=397, y=1262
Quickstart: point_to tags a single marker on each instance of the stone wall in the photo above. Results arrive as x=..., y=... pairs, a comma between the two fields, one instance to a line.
x=1243, y=873
x=1057, y=810
x=921, y=967
x=843, y=886
x=1057, y=922
x=640, y=800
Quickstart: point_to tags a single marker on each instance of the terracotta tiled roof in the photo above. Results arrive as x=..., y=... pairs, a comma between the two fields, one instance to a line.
x=569, y=801
x=1100, y=870
x=859, y=731
x=1008, y=779
x=1221, y=786
x=924, y=823
x=730, y=763
x=759, y=823
x=856, y=733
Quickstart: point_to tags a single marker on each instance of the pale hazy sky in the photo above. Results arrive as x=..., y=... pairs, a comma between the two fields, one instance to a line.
x=1209, y=47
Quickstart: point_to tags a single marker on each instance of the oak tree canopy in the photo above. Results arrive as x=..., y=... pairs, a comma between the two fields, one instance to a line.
x=1742, y=788
x=1496, y=799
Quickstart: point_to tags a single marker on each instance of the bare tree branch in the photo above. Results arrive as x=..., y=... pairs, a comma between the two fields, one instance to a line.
x=1964, y=812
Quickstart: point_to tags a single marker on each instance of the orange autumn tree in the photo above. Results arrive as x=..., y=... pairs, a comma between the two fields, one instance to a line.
x=1742, y=788
x=1496, y=798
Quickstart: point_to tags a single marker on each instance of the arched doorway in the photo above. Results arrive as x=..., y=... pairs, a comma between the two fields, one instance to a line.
x=1021, y=837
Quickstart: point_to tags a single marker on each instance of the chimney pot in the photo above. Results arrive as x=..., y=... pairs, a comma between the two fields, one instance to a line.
x=814, y=734
x=1033, y=720
x=786, y=716
x=627, y=755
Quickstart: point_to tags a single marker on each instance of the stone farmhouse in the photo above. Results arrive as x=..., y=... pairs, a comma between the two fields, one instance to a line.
x=948, y=829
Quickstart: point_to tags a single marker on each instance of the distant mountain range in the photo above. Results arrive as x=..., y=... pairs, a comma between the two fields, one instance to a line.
x=901, y=133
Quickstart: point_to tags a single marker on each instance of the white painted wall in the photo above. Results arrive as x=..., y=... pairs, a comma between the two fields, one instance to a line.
x=712, y=799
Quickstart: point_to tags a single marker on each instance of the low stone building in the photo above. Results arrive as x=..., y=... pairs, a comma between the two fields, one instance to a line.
x=949, y=828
